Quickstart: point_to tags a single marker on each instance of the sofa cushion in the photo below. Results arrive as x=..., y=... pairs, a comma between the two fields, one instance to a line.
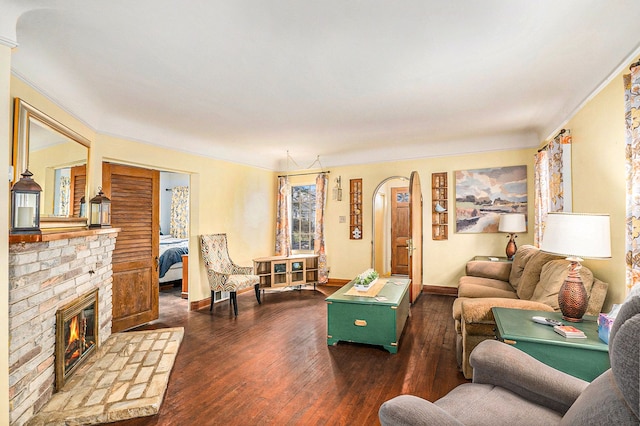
x=531, y=273
x=486, y=282
x=488, y=269
x=552, y=276
x=520, y=260
x=485, y=404
x=484, y=287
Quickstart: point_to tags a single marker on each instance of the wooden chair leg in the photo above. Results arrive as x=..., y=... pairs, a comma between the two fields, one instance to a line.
x=213, y=295
x=234, y=301
x=257, y=289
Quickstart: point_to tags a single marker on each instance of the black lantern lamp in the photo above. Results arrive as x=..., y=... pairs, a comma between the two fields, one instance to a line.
x=25, y=205
x=100, y=211
x=83, y=207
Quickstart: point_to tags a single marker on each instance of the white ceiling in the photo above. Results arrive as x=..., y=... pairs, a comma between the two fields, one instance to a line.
x=353, y=81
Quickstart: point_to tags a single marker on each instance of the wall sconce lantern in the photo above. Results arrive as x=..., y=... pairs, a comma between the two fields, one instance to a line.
x=83, y=207
x=100, y=211
x=25, y=205
x=337, y=190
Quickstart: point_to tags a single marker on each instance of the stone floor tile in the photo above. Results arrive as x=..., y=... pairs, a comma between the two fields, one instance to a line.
x=166, y=363
x=159, y=345
x=152, y=358
x=144, y=375
x=101, y=394
x=118, y=391
x=97, y=397
x=128, y=372
x=136, y=391
x=107, y=379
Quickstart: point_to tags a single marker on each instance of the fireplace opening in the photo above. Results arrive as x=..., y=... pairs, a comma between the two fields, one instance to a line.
x=76, y=335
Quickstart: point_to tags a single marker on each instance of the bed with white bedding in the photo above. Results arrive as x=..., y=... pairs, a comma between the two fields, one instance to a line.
x=170, y=260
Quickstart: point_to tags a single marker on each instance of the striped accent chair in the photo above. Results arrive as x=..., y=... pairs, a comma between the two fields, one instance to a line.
x=223, y=274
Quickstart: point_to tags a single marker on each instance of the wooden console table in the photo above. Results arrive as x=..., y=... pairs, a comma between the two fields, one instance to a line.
x=287, y=271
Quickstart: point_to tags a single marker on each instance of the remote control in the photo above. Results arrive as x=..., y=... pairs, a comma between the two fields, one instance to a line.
x=546, y=321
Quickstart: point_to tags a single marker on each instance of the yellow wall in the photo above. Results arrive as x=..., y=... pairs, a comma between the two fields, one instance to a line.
x=225, y=197
x=599, y=180
x=5, y=158
x=444, y=261
x=240, y=200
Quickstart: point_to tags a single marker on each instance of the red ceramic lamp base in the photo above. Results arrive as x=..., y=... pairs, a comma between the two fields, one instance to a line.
x=511, y=247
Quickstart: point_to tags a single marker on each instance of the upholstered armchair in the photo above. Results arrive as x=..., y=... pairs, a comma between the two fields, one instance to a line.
x=511, y=388
x=223, y=274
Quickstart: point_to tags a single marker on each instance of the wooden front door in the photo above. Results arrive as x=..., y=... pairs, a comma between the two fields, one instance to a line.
x=415, y=247
x=135, y=195
x=399, y=231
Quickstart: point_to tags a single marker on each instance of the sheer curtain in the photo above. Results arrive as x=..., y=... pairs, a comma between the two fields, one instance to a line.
x=283, y=232
x=179, y=225
x=632, y=136
x=318, y=238
x=551, y=173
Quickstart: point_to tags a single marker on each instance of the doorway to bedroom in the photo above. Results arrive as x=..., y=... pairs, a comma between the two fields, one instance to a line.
x=174, y=240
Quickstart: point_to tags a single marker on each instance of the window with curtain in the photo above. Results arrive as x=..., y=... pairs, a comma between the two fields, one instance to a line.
x=304, y=231
x=303, y=216
x=179, y=225
x=632, y=135
x=552, y=181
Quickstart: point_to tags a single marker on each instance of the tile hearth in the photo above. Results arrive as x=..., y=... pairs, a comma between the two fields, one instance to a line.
x=125, y=378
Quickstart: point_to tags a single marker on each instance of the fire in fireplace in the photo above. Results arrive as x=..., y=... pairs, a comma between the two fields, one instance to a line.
x=76, y=335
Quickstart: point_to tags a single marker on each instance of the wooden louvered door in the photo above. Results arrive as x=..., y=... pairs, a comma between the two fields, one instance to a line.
x=134, y=194
x=78, y=187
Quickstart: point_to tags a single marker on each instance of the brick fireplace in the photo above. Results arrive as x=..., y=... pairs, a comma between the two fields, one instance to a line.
x=44, y=276
x=76, y=335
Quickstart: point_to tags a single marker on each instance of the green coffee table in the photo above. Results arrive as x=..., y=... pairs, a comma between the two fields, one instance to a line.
x=367, y=320
x=583, y=358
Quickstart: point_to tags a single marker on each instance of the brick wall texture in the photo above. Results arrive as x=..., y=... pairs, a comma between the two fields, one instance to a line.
x=44, y=277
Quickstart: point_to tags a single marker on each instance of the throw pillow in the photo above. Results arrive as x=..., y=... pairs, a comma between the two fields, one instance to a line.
x=520, y=260
x=552, y=276
x=531, y=273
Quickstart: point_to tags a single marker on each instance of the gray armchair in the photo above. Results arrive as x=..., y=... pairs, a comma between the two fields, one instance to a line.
x=511, y=388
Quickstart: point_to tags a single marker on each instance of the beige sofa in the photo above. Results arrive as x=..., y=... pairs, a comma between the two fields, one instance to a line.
x=531, y=281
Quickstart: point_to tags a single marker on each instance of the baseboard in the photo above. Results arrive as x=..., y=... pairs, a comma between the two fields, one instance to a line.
x=436, y=289
x=199, y=304
x=335, y=282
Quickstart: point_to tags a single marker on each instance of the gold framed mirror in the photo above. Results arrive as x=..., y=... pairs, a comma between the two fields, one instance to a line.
x=57, y=156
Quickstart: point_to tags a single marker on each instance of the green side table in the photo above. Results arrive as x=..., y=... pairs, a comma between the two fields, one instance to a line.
x=583, y=358
x=366, y=319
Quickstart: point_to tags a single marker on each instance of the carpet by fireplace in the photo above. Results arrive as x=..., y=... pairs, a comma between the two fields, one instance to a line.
x=125, y=378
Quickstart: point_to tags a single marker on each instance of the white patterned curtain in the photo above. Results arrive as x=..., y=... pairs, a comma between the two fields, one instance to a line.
x=318, y=239
x=283, y=232
x=179, y=225
x=549, y=181
x=632, y=136
x=65, y=195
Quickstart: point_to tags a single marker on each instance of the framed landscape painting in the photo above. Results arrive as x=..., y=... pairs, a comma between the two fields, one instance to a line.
x=483, y=194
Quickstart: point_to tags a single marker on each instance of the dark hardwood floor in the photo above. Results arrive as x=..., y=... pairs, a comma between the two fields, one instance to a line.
x=271, y=365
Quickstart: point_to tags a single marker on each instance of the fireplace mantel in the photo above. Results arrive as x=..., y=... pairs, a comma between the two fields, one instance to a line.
x=58, y=234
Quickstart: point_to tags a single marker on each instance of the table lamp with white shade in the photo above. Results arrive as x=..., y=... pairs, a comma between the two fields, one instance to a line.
x=512, y=223
x=577, y=236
